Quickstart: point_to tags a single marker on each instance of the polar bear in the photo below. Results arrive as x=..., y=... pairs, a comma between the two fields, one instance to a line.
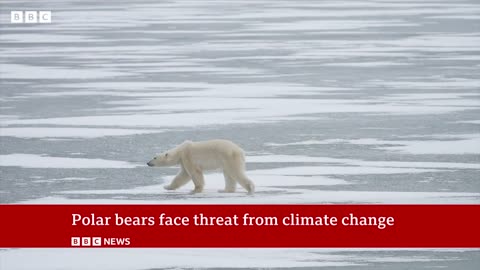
x=196, y=157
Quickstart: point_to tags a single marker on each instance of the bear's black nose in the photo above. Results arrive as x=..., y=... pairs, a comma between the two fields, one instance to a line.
x=149, y=164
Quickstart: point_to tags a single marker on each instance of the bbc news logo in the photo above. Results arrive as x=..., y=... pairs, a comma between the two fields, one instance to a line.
x=97, y=241
x=86, y=241
x=30, y=16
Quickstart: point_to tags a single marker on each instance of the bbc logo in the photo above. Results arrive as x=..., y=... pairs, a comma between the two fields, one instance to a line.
x=86, y=241
x=30, y=16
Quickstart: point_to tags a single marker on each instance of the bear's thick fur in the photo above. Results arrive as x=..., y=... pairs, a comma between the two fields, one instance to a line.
x=196, y=157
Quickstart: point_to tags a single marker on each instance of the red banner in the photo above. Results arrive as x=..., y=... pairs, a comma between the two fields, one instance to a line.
x=412, y=226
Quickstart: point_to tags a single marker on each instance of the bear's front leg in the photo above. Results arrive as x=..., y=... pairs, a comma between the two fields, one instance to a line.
x=169, y=187
x=195, y=172
x=199, y=182
x=181, y=179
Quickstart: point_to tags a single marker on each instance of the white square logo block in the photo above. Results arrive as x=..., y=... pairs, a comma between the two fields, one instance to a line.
x=16, y=16
x=44, y=16
x=31, y=17
x=75, y=241
x=86, y=241
x=96, y=241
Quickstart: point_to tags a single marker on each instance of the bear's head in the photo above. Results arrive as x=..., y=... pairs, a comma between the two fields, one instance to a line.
x=164, y=159
x=171, y=157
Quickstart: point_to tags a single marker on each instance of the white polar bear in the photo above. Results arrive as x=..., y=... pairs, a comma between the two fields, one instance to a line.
x=196, y=157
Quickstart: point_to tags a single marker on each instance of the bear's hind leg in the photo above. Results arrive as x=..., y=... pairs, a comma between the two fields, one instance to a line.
x=180, y=180
x=246, y=183
x=239, y=176
x=230, y=184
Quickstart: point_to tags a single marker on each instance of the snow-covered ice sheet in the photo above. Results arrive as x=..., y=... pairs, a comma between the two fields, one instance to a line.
x=448, y=146
x=217, y=258
x=265, y=196
x=353, y=162
x=334, y=102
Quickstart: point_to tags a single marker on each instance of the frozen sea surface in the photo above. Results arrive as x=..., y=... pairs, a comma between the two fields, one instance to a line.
x=369, y=101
